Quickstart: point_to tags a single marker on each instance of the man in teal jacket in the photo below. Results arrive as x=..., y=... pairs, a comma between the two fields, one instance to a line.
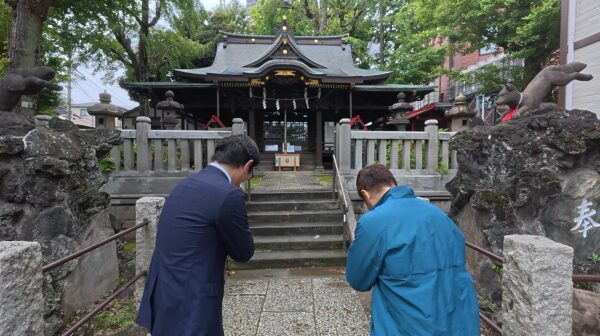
x=412, y=256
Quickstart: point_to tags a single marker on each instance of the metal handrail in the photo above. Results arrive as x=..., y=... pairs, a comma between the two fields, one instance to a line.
x=489, y=322
x=70, y=257
x=586, y=277
x=103, y=304
x=337, y=174
x=576, y=277
x=486, y=252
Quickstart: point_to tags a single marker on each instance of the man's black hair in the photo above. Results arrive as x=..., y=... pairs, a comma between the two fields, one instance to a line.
x=374, y=178
x=236, y=150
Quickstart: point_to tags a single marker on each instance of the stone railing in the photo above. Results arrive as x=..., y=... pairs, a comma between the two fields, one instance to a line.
x=152, y=162
x=422, y=160
x=145, y=150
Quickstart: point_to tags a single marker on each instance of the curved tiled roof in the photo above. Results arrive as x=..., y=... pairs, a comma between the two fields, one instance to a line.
x=240, y=55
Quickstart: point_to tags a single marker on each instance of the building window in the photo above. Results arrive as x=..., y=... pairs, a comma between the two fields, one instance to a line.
x=83, y=112
x=489, y=49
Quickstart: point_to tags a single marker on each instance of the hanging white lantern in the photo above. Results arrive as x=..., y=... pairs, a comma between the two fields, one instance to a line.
x=277, y=104
x=294, y=104
x=319, y=94
x=306, y=97
x=250, y=92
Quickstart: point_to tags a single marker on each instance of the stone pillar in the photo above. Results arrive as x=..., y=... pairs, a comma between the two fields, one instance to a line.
x=21, y=300
x=145, y=208
x=237, y=126
x=143, y=150
x=537, y=289
x=432, y=144
x=319, y=140
x=343, y=149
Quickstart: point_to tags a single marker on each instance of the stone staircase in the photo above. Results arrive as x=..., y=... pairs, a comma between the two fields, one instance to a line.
x=294, y=229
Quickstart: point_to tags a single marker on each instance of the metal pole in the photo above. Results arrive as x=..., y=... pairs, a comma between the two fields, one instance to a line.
x=285, y=130
x=92, y=247
x=218, y=101
x=350, y=104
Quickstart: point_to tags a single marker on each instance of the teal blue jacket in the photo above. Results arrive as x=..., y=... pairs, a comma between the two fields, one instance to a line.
x=412, y=256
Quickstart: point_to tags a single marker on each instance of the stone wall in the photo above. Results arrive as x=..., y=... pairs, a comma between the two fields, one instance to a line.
x=49, y=193
x=527, y=176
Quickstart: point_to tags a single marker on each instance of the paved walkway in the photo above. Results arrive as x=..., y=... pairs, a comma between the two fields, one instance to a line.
x=290, y=180
x=315, y=306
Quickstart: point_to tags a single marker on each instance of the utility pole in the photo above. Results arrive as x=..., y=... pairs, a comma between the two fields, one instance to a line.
x=381, y=32
x=69, y=88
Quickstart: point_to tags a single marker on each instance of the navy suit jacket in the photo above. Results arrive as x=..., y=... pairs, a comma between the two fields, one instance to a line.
x=204, y=220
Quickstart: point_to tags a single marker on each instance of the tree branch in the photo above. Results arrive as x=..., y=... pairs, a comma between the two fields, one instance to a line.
x=157, y=15
x=120, y=57
x=126, y=44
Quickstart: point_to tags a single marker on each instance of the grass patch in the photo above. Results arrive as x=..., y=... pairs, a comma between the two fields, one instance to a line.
x=325, y=180
x=118, y=316
x=255, y=182
x=129, y=246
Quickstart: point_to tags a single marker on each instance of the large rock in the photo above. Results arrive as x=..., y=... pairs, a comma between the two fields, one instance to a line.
x=527, y=176
x=49, y=193
x=21, y=289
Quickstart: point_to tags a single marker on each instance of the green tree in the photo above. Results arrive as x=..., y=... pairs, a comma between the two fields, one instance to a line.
x=527, y=29
x=333, y=17
x=5, y=25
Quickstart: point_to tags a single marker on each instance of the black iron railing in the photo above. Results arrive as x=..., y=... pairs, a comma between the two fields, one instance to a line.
x=118, y=292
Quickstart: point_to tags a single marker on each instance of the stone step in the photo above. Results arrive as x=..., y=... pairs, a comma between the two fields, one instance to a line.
x=295, y=216
x=280, y=229
x=301, y=205
x=306, y=242
x=265, y=196
x=292, y=259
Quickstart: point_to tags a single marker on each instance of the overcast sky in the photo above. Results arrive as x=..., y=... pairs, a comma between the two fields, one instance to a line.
x=87, y=90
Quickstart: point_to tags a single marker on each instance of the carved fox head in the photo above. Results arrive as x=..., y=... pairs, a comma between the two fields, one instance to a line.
x=509, y=95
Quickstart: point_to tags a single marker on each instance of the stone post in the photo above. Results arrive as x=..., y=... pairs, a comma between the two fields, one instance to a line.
x=537, y=289
x=237, y=127
x=143, y=150
x=145, y=208
x=343, y=148
x=431, y=127
x=42, y=120
x=21, y=300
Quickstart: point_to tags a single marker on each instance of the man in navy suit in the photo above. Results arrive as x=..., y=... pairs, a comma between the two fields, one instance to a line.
x=203, y=221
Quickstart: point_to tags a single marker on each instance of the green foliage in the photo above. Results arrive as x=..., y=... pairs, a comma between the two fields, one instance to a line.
x=255, y=182
x=352, y=17
x=528, y=29
x=497, y=268
x=5, y=27
x=107, y=165
x=412, y=58
x=594, y=258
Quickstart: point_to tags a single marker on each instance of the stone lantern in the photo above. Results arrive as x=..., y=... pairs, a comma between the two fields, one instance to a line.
x=399, y=110
x=169, y=108
x=460, y=114
x=105, y=112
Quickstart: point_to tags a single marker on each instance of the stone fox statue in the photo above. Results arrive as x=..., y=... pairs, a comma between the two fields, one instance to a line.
x=538, y=88
x=18, y=82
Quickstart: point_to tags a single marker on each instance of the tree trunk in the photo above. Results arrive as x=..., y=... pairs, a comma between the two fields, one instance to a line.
x=24, y=41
